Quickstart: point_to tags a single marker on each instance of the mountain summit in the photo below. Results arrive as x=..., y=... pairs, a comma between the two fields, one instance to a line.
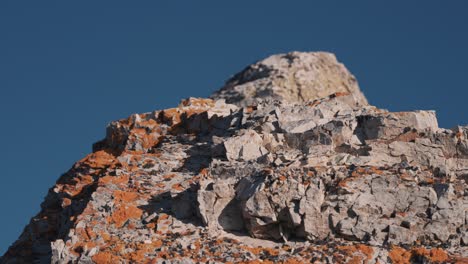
x=293, y=77
x=287, y=163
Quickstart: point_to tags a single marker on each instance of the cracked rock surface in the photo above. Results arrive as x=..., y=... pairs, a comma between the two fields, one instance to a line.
x=287, y=163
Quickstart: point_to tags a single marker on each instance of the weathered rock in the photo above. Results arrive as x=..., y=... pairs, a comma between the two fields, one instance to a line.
x=292, y=77
x=304, y=171
x=246, y=147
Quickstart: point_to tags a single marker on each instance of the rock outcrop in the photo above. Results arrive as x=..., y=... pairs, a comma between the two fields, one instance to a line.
x=287, y=163
x=295, y=77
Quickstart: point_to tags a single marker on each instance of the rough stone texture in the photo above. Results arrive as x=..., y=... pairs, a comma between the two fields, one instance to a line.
x=323, y=178
x=293, y=77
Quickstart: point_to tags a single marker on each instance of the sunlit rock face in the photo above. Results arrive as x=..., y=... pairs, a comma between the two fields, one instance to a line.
x=286, y=163
x=294, y=77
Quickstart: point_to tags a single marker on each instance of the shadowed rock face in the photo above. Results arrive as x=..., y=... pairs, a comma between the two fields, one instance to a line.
x=317, y=175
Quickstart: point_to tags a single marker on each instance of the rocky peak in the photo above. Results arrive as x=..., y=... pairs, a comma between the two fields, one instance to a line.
x=293, y=77
x=308, y=173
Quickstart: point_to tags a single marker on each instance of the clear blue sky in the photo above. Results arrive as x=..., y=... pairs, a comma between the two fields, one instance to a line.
x=67, y=68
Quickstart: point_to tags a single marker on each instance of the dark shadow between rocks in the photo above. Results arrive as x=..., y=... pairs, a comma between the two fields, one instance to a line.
x=210, y=133
x=231, y=219
x=199, y=157
x=181, y=206
x=367, y=128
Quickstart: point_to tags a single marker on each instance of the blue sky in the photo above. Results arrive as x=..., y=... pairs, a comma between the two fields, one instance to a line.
x=67, y=68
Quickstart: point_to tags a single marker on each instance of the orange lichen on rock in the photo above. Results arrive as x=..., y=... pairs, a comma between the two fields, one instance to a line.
x=194, y=106
x=256, y=261
x=339, y=94
x=406, y=137
x=79, y=183
x=163, y=216
x=124, y=196
x=249, y=109
x=85, y=233
x=145, y=138
x=200, y=102
x=148, y=122
x=66, y=202
x=169, y=176
x=123, y=179
x=98, y=160
x=460, y=260
x=188, y=107
x=105, y=258
x=292, y=261
x=140, y=250
x=314, y=103
x=204, y=172
x=362, y=171
x=435, y=255
x=438, y=255
x=125, y=212
x=343, y=183
x=177, y=187
x=258, y=250
x=399, y=255
x=355, y=260
x=171, y=116
x=364, y=253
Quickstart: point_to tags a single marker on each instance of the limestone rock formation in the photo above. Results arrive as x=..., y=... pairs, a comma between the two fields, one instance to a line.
x=287, y=164
x=293, y=77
